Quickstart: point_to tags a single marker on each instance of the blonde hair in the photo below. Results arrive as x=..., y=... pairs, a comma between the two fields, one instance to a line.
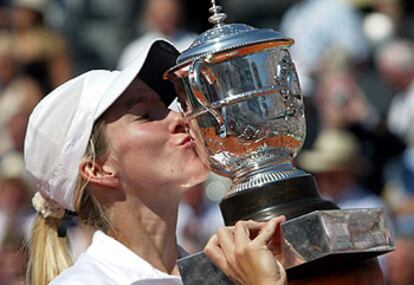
x=49, y=254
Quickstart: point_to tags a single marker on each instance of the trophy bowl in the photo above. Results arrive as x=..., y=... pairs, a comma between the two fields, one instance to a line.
x=245, y=109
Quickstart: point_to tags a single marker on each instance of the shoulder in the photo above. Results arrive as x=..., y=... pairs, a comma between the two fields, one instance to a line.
x=84, y=272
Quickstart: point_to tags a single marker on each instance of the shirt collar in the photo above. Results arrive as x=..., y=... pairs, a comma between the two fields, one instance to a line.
x=120, y=258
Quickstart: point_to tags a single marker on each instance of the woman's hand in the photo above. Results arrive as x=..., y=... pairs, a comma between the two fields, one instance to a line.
x=246, y=252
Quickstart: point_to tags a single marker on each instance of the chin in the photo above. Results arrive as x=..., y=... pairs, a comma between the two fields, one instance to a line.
x=196, y=178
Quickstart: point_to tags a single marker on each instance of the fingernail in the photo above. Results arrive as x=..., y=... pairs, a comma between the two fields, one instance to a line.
x=282, y=218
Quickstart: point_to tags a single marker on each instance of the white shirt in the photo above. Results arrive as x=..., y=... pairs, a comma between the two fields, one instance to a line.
x=108, y=262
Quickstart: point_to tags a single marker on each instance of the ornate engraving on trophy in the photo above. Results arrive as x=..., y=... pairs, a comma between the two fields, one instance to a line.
x=247, y=116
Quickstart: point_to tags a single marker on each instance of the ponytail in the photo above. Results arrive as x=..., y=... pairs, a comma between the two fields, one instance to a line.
x=48, y=254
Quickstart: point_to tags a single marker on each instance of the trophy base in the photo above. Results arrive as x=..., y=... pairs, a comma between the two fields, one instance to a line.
x=321, y=241
x=317, y=236
x=327, y=238
x=291, y=197
x=198, y=270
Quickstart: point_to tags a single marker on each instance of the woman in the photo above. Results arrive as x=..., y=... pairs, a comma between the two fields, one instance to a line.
x=105, y=146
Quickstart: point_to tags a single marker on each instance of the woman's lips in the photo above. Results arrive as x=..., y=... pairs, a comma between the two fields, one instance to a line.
x=187, y=142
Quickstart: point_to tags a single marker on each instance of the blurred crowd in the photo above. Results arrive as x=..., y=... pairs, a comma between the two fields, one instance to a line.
x=355, y=59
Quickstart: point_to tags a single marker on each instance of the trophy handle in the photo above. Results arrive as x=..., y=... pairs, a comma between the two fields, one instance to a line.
x=201, y=68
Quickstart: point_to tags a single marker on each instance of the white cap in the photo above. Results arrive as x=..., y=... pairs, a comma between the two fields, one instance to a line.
x=61, y=124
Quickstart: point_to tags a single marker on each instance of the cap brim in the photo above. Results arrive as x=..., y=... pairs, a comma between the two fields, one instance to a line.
x=149, y=65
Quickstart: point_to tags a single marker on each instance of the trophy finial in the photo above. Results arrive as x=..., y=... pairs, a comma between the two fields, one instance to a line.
x=217, y=18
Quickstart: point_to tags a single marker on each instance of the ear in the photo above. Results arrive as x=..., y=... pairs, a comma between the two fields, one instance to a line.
x=97, y=174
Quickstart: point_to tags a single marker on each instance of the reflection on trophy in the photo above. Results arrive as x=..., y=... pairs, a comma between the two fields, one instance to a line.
x=240, y=93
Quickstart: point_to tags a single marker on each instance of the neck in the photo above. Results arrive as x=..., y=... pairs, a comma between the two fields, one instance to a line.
x=149, y=234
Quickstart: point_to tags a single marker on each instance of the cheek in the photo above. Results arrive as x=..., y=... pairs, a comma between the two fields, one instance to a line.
x=145, y=156
x=138, y=149
x=133, y=137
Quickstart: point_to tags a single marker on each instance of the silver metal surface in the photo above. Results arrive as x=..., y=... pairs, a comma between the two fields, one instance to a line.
x=321, y=234
x=228, y=37
x=248, y=114
x=217, y=17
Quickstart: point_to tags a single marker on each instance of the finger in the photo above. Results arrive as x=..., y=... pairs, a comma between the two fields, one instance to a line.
x=241, y=234
x=267, y=233
x=226, y=241
x=213, y=251
x=216, y=255
x=282, y=271
x=243, y=231
x=275, y=243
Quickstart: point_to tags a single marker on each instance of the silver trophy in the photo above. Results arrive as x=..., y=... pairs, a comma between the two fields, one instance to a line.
x=240, y=93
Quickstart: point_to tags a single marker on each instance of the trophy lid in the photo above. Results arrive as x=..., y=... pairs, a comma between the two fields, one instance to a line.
x=223, y=37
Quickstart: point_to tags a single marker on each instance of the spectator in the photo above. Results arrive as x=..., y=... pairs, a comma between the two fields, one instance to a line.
x=7, y=64
x=12, y=260
x=39, y=51
x=395, y=61
x=342, y=104
x=16, y=104
x=15, y=210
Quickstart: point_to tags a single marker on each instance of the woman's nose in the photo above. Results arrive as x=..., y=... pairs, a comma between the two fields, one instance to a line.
x=176, y=122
